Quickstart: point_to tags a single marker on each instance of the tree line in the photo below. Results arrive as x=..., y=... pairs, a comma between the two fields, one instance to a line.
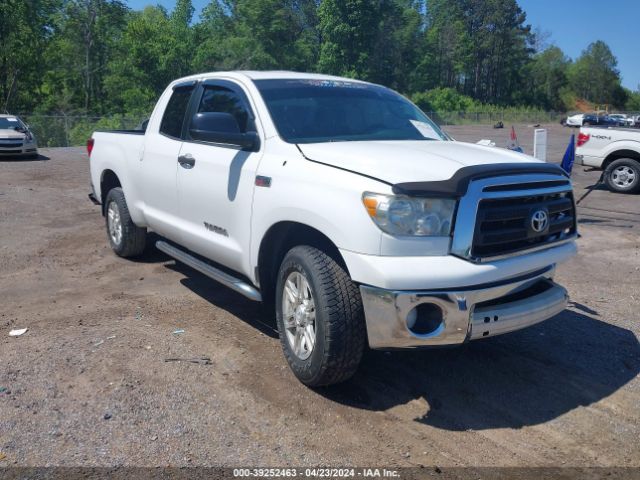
x=96, y=57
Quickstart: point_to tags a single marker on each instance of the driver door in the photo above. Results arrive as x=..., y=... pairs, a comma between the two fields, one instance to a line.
x=216, y=181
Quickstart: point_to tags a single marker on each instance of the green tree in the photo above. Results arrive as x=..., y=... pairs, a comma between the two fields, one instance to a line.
x=545, y=80
x=97, y=56
x=257, y=34
x=595, y=77
x=24, y=34
x=84, y=36
x=375, y=41
x=349, y=31
x=154, y=49
x=395, y=55
x=443, y=100
x=633, y=100
x=445, y=48
x=477, y=46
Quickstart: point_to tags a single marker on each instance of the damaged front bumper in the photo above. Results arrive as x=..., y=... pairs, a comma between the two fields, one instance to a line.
x=410, y=319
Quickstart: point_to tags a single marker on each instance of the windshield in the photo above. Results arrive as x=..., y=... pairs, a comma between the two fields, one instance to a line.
x=313, y=111
x=10, y=123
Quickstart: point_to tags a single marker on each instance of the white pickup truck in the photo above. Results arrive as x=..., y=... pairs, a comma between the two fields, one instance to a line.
x=343, y=206
x=616, y=151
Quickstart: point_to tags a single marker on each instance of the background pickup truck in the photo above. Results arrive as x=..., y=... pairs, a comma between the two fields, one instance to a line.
x=614, y=150
x=342, y=206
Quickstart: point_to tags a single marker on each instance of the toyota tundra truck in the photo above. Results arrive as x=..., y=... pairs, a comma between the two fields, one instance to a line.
x=343, y=207
x=615, y=151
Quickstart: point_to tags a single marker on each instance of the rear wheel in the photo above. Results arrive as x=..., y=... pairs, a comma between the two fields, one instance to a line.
x=125, y=237
x=623, y=175
x=320, y=317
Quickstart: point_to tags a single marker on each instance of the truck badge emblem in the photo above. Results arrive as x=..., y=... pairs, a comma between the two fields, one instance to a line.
x=539, y=221
x=216, y=229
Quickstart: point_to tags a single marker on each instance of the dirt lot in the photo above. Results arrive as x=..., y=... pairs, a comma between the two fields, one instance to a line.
x=88, y=383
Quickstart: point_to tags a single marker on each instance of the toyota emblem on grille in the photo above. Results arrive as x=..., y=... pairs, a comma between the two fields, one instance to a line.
x=539, y=221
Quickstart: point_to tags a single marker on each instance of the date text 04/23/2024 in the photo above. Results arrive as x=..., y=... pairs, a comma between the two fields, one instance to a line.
x=315, y=473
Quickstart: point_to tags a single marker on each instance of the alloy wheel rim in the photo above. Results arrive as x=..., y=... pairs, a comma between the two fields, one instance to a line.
x=299, y=315
x=114, y=223
x=624, y=176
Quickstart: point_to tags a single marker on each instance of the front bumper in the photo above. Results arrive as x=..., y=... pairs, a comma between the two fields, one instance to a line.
x=467, y=314
x=589, y=161
x=18, y=152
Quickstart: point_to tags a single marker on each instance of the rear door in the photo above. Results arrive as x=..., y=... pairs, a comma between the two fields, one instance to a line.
x=216, y=186
x=163, y=141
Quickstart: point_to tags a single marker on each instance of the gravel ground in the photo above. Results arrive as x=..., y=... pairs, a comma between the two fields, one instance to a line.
x=88, y=384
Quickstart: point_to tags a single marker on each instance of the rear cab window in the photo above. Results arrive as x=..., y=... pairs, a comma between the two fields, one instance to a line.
x=174, y=114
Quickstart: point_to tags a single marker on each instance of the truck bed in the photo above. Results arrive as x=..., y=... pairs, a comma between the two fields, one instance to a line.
x=630, y=130
x=118, y=151
x=597, y=146
x=126, y=132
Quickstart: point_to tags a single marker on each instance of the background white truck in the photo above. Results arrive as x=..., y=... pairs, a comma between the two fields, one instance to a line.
x=343, y=206
x=614, y=150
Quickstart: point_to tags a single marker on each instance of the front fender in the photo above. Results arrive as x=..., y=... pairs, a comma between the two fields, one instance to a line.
x=324, y=198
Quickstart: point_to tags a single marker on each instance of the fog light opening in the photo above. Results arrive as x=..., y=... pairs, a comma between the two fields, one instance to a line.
x=424, y=319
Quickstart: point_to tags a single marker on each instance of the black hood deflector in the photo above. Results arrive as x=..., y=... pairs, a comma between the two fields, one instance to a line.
x=457, y=185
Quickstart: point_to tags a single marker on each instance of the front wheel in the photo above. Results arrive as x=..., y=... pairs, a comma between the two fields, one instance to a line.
x=125, y=237
x=623, y=175
x=320, y=317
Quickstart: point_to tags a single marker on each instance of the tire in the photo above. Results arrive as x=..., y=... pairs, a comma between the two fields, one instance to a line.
x=623, y=175
x=125, y=237
x=333, y=301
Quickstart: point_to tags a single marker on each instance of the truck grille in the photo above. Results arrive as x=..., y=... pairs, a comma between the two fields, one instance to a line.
x=508, y=225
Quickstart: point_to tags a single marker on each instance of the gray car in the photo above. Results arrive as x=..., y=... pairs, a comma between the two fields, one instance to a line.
x=16, y=139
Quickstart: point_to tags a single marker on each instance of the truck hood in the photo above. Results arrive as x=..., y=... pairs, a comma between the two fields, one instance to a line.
x=409, y=161
x=10, y=133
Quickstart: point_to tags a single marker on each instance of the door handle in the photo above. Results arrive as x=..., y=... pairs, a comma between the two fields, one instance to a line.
x=186, y=161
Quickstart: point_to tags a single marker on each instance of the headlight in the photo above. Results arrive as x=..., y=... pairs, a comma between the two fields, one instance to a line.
x=401, y=215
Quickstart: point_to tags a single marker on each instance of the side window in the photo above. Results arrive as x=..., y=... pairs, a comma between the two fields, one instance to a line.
x=221, y=99
x=171, y=124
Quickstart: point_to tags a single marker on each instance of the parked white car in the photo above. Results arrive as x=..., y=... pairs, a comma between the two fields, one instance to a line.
x=344, y=206
x=16, y=139
x=614, y=150
x=574, y=120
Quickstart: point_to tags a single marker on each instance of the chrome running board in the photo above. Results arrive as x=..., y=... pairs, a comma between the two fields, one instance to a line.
x=219, y=276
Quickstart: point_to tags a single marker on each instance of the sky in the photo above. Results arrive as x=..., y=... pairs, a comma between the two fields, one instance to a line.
x=572, y=26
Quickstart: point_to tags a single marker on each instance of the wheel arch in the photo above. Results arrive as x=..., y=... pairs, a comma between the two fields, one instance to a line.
x=625, y=153
x=108, y=181
x=278, y=240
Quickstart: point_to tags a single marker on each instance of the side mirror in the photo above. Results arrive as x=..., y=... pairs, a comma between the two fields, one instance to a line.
x=218, y=127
